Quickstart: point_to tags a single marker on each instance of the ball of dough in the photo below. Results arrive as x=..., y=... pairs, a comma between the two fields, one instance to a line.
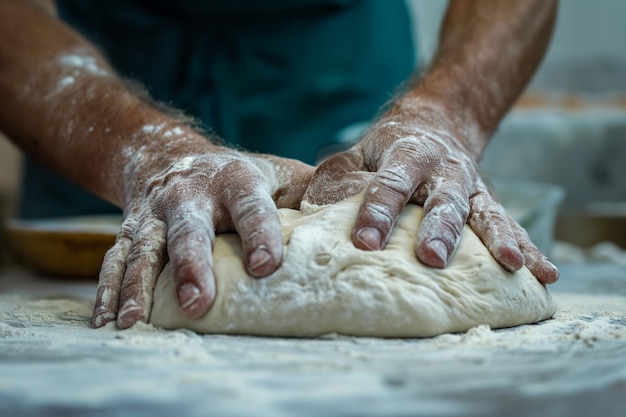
x=326, y=285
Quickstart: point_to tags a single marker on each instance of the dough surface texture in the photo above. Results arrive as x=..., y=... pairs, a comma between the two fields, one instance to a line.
x=326, y=285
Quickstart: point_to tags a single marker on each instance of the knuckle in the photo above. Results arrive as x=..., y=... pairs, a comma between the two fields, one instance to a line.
x=394, y=180
x=381, y=214
x=421, y=149
x=448, y=203
x=255, y=229
x=255, y=235
x=127, y=229
x=132, y=288
x=234, y=165
x=145, y=254
x=452, y=229
x=249, y=207
x=444, y=222
x=239, y=169
x=188, y=227
x=178, y=169
x=114, y=263
x=523, y=238
x=149, y=245
x=486, y=216
x=485, y=210
x=112, y=268
x=155, y=184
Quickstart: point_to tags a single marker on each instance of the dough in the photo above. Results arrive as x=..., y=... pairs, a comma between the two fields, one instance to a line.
x=326, y=285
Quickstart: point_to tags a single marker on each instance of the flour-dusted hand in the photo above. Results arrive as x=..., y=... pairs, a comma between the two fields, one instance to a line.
x=418, y=158
x=425, y=148
x=177, y=189
x=178, y=198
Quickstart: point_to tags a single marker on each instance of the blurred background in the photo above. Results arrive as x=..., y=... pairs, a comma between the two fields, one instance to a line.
x=561, y=153
x=559, y=158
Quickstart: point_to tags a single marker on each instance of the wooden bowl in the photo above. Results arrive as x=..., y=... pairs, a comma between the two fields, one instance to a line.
x=68, y=247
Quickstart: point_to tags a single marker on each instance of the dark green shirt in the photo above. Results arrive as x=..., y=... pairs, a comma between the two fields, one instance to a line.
x=287, y=77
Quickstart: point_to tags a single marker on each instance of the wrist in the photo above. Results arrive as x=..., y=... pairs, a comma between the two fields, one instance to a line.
x=435, y=114
x=114, y=139
x=151, y=143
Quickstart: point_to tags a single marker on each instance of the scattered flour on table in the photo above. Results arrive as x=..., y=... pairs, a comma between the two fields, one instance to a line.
x=67, y=321
x=46, y=340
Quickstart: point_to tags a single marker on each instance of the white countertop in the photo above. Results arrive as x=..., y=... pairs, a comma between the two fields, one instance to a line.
x=52, y=363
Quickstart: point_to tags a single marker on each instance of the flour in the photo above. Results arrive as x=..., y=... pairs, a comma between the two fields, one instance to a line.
x=51, y=357
x=80, y=60
x=64, y=82
x=150, y=129
x=584, y=320
x=63, y=323
x=73, y=67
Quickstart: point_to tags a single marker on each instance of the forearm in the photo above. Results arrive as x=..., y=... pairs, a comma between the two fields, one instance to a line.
x=65, y=106
x=488, y=51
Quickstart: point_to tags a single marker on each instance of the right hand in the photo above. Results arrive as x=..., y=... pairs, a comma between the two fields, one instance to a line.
x=413, y=157
x=177, y=198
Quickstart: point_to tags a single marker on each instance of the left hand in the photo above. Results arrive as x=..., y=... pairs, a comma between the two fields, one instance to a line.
x=419, y=159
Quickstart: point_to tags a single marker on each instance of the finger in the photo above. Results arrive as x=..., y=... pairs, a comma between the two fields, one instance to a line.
x=255, y=218
x=289, y=178
x=112, y=274
x=146, y=260
x=445, y=213
x=339, y=177
x=535, y=261
x=385, y=196
x=491, y=224
x=190, y=239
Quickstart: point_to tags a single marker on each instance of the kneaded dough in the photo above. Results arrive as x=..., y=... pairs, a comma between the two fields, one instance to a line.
x=326, y=285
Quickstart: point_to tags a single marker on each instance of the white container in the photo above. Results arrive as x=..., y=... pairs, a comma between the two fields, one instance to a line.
x=534, y=206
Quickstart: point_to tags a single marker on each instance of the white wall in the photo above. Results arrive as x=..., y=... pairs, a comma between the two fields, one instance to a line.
x=588, y=50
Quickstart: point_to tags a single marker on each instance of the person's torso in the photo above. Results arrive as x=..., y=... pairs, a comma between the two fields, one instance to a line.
x=287, y=77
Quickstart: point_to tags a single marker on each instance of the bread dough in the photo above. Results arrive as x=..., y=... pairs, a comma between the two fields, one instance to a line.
x=326, y=285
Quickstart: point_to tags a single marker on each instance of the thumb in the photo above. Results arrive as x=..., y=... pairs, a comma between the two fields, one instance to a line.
x=288, y=179
x=341, y=176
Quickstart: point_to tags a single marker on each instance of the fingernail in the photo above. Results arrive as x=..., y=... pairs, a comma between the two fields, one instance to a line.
x=554, y=273
x=440, y=249
x=103, y=318
x=188, y=294
x=259, y=257
x=511, y=258
x=370, y=238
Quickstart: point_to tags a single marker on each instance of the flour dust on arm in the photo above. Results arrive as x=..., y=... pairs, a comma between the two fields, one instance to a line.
x=65, y=106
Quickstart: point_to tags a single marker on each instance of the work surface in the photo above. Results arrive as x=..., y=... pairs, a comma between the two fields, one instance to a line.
x=52, y=363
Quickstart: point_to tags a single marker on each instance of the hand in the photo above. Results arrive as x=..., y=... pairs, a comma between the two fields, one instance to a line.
x=417, y=158
x=177, y=200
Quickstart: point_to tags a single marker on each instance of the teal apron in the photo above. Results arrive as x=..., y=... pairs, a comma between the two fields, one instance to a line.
x=287, y=77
